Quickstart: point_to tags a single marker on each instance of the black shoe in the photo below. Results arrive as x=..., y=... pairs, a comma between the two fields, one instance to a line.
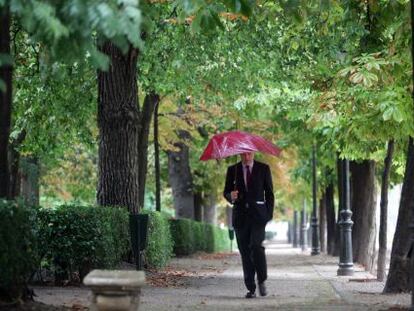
x=250, y=295
x=262, y=289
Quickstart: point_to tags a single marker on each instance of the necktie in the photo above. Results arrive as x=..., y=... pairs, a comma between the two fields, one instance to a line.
x=248, y=175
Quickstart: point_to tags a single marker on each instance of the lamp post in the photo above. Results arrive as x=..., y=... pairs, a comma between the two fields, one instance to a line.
x=315, y=224
x=346, y=264
x=303, y=227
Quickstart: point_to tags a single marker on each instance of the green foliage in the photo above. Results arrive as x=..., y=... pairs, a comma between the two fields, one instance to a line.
x=18, y=248
x=200, y=241
x=217, y=239
x=68, y=29
x=160, y=243
x=80, y=238
x=72, y=177
x=182, y=233
x=191, y=236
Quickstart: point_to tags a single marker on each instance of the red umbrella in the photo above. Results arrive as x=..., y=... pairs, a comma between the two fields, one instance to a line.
x=236, y=142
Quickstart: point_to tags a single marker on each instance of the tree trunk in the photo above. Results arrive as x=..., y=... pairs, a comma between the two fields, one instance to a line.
x=5, y=102
x=385, y=183
x=14, y=158
x=150, y=102
x=118, y=122
x=198, y=206
x=398, y=279
x=30, y=173
x=330, y=218
x=181, y=180
x=363, y=198
x=322, y=221
x=157, y=161
x=210, y=201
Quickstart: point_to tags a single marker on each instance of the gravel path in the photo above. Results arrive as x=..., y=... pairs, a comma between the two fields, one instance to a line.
x=297, y=281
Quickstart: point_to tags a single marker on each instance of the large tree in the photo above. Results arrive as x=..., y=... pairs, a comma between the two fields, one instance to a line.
x=5, y=98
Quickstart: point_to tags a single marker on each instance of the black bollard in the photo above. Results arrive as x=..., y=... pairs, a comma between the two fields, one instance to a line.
x=295, y=228
x=346, y=264
x=315, y=225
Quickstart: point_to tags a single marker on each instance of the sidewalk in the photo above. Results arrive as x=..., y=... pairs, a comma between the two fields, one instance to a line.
x=297, y=281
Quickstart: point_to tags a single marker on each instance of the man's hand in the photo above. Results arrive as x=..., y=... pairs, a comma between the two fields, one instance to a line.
x=234, y=195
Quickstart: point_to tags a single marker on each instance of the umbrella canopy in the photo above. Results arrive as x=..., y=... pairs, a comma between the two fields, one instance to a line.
x=237, y=142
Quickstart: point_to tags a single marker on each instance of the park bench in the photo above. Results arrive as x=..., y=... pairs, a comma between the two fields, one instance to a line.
x=115, y=289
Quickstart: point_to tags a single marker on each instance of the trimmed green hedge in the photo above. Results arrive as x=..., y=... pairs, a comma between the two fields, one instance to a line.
x=218, y=239
x=80, y=238
x=18, y=248
x=71, y=240
x=191, y=236
x=160, y=244
x=183, y=237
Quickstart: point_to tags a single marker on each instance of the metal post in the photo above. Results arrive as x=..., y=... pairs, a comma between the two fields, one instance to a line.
x=295, y=228
x=315, y=224
x=303, y=228
x=138, y=256
x=346, y=264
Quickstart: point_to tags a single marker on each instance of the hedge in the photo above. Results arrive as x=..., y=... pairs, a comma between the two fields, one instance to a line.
x=79, y=238
x=18, y=248
x=190, y=236
x=70, y=240
x=159, y=242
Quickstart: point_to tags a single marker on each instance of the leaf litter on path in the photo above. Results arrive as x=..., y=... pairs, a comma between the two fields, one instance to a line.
x=171, y=276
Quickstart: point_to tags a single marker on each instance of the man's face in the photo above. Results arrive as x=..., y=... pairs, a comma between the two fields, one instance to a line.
x=247, y=158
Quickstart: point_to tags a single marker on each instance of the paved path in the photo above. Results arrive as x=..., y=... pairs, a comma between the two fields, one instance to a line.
x=297, y=281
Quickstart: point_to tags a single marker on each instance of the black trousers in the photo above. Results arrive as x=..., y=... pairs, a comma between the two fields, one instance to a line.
x=249, y=241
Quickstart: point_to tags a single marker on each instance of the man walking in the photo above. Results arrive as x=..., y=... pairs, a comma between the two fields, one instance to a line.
x=249, y=188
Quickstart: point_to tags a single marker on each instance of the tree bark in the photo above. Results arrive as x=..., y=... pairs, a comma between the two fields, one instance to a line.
x=14, y=159
x=322, y=221
x=181, y=179
x=118, y=122
x=5, y=102
x=150, y=101
x=330, y=218
x=198, y=206
x=363, y=198
x=398, y=279
x=210, y=201
x=385, y=183
x=157, y=161
x=30, y=173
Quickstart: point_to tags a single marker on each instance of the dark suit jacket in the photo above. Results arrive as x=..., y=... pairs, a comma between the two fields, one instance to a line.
x=256, y=204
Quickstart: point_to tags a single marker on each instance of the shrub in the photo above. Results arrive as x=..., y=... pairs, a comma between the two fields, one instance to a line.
x=18, y=248
x=80, y=238
x=210, y=242
x=183, y=236
x=191, y=236
x=221, y=240
x=200, y=241
x=159, y=242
